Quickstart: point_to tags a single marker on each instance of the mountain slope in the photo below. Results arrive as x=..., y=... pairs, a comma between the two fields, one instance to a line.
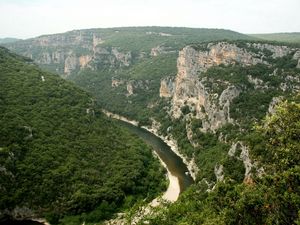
x=271, y=198
x=246, y=174
x=59, y=155
x=8, y=40
x=207, y=98
x=133, y=58
x=281, y=37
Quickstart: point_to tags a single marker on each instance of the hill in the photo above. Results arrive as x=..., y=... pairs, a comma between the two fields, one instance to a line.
x=60, y=157
x=233, y=108
x=224, y=104
x=137, y=57
x=8, y=40
x=280, y=37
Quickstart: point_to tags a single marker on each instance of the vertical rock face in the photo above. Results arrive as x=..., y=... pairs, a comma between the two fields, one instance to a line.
x=297, y=57
x=192, y=61
x=71, y=64
x=97, y=40
x=219, y=172
x=278, y=51
x=131, y=85
x=72, y=51
x=207, y=104
x=84, y=60
x=189, y=90
x=166, y=87
x=124, y=58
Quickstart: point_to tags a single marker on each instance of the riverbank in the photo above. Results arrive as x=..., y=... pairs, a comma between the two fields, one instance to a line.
x=172, y=143
x=173, y=190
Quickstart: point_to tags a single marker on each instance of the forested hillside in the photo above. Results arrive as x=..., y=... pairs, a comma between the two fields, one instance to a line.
x=230, y=107
x=271, y=198
x=8, y=40
x=132, y=59
x=60, y=158
x=281, y=37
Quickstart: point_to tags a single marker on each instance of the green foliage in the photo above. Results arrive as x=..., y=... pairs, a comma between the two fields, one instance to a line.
x=281, y=134
x=145, y=38
x=60, y=155
x=244, y=106
x=8, y=40
x=271, y=199
x=282, y=37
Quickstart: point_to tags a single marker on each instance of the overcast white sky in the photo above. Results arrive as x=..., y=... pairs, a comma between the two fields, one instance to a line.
x=30, y=18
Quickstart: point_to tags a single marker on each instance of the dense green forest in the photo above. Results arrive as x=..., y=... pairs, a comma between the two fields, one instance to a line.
x=59, y=156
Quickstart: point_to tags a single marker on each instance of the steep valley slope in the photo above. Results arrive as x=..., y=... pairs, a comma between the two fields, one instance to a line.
x=230, y=106
x=61, y=158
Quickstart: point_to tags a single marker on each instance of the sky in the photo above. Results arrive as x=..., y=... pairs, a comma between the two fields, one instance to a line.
x=31, y=18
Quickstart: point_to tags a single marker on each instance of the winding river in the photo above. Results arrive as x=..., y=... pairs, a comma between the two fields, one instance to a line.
x=172, y=161
x=178, y=173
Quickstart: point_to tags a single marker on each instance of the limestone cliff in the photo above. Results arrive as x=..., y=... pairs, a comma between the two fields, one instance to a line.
x=201, y=97
x=131, y=86
x=166, y=87
x=158, y=50
x=296, y=56
x=190, y=89
x=73, y=51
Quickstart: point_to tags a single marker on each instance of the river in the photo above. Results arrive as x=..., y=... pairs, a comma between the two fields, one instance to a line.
x=172, y=161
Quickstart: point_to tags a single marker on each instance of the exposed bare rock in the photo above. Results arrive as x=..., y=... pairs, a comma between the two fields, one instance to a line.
x=291, y=83
x=71, y=64
x=258, y=83
x=106, y=57
x=241, y=152
x=275, y=101
x=158, y=50
x=129, y=88
x=190, y=91
x=58, y=57
x=192, y=61
x=219, y=172
x=124, y=58
x=166, y=89
x=277, y=50
x=131, y=85
x=97, y=40
x=296, y=56
x=84, y=61
x=160, y=34
x=189, y=134
x=45, y=58
x=20, y=213
x=116, y=82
